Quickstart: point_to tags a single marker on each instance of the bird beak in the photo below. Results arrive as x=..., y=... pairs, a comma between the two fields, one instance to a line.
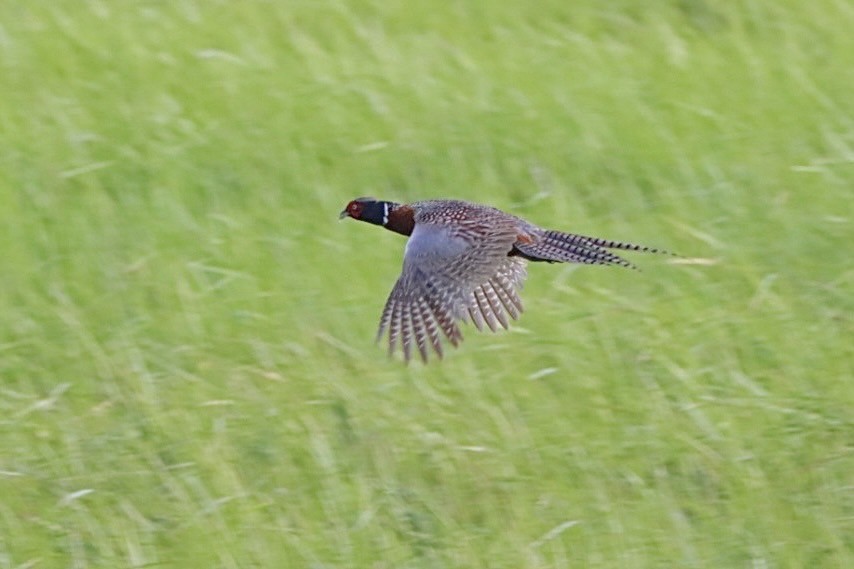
x=343, y=214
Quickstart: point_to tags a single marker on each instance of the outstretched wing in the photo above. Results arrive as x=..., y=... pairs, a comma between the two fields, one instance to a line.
x=493, y=300
x=445, y=268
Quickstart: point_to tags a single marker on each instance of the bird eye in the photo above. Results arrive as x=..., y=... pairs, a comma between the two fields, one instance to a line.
x=355, y=209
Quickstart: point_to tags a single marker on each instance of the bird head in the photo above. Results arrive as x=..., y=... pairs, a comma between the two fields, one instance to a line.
x=367, y=209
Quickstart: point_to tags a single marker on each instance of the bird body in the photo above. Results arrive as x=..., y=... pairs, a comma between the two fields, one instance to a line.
x=466, y=261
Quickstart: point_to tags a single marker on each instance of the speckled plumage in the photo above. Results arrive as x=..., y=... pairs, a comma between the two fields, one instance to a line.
x=466, y=261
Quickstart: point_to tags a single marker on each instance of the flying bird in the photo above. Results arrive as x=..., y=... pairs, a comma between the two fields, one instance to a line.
x=466, y=261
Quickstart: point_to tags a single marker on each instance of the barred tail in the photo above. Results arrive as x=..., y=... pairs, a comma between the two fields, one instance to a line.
x=558, y=247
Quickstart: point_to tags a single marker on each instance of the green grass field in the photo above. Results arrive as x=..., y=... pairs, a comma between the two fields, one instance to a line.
x=187, y=373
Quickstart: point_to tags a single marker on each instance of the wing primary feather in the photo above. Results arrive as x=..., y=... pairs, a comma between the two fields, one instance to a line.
x=475, y=314
x=432, y=326
x=446, y=322
x=394, y=326
x=384, y=320
x=482, y=296
x=495, y=305
x=419, y=328
x=504, y=297
x=406, y=330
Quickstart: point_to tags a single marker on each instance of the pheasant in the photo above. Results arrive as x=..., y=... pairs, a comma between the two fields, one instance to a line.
x=466, y=261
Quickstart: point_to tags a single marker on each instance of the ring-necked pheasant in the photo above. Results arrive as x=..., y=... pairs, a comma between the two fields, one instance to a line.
x=466, y=261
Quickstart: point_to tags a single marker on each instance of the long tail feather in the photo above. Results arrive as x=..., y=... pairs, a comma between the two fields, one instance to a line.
x=558, y=247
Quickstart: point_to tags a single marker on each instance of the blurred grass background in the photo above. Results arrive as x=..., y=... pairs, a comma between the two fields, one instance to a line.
x=187, y=376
